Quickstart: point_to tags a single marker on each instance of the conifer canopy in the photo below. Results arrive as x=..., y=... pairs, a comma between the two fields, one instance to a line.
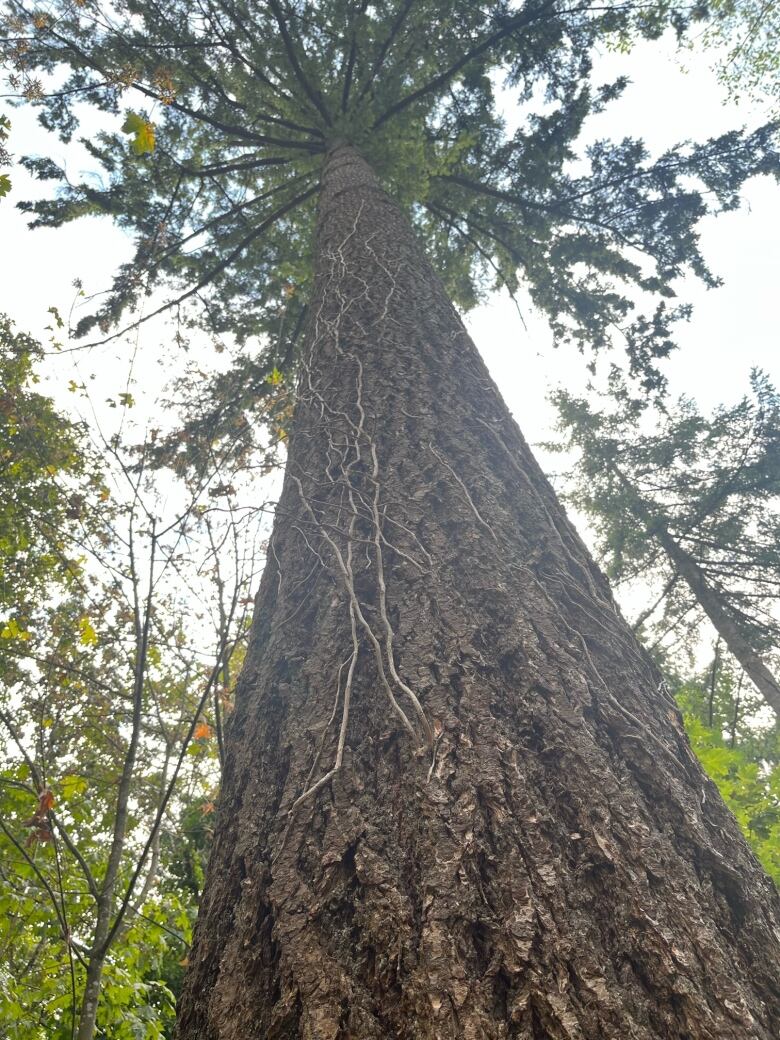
x=469, y=112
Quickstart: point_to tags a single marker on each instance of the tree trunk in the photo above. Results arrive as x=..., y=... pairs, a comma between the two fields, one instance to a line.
x=708, y=597
x=533, y=851
x=717, y=611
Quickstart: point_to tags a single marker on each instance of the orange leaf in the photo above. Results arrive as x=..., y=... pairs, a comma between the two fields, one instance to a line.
x=202, y=731
x=207, y=807
x=45, y=802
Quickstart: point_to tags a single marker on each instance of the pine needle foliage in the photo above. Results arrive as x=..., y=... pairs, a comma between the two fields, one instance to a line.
x=218, y=114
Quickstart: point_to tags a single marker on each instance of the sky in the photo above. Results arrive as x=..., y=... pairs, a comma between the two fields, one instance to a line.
x=673, y=97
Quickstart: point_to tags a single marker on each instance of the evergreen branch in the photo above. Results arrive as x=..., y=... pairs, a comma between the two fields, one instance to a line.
x=525, y=18
x=234, y=167
x=395, y=29
x=471, y=223
x=213, y=273
x=253, y=68
x=177, y=106
x=350, y=63
x=256, y=71
x=313, y=95
x=237, y=208
x=646, y=613
x=440, y=215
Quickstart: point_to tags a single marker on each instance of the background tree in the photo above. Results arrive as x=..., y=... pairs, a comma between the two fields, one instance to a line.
x=738, y=749
x=110, y=716
x=44, y=476
x=746, y=33
x=691, y=508
x=443, y=726
x=5, y=156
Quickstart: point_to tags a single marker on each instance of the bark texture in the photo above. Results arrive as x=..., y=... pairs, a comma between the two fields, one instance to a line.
x=535, y=852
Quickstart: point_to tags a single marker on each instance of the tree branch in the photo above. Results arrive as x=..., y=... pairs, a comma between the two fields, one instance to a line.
x=525, y=18
x=313, y=95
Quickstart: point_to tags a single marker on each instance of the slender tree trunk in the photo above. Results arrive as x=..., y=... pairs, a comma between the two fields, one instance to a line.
x=534, y=852
x=713, y=684
x=89, y=1003
x=716, y=610
x=708, y=598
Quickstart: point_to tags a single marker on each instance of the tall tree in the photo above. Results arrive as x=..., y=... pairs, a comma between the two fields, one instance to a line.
x=457, y=800
x=692, y=508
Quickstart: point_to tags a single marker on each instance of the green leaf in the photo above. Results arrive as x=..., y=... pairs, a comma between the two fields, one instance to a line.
x=72, y=786
x=132, y=123
x=143, y=133
x=5, y=184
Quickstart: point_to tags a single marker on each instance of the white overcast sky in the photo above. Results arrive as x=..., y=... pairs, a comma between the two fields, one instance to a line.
x=733, y=328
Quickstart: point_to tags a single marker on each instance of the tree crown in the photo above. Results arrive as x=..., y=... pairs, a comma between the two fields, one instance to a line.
x=470, y=113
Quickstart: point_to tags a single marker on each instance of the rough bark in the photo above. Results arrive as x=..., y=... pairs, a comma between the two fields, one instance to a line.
x=551, y=863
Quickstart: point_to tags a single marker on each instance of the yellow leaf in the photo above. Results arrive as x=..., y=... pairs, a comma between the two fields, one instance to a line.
x=144, y=140
x=12, y=630
x=87, y=634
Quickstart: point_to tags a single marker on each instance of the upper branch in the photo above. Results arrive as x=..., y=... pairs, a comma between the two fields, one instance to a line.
x=524, y=18
x=313, y=95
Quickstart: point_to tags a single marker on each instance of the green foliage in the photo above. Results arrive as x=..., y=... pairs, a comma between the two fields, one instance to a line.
x=742, y=760
x=471, y=116
x=712, y=482
x=747, y=31
x=742, y=33
x=45, y=482
x=5, y=158
x=71, y=646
